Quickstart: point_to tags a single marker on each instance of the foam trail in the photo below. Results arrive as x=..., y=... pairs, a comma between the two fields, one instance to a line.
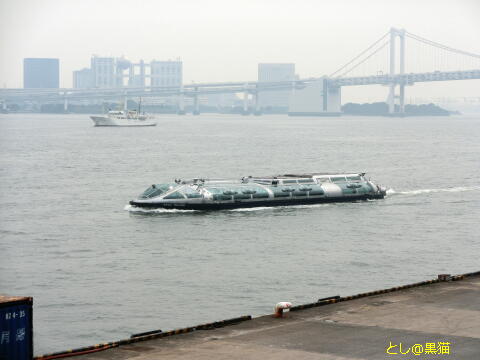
x=260, y=208
x=253, y=209
x=391, y=192
x=134, y=209
x=428, y=191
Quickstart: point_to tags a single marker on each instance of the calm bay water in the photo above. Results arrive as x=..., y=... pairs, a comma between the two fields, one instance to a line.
x=99, y=272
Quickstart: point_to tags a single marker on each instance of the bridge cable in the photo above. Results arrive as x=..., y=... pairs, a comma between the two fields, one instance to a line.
x=359, y=55
x=438, y=45
x=368, y=57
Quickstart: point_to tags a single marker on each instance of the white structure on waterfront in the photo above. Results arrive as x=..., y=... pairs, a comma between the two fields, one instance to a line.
x=272, y=73
x=103, y=71
x=316, y=99
x=166, y=73
x=83, y=79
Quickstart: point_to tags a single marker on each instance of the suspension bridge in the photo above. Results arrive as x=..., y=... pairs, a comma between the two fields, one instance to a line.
x=396, y=60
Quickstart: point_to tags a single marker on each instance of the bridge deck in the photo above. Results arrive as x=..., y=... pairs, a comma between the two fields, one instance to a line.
x=229, y=87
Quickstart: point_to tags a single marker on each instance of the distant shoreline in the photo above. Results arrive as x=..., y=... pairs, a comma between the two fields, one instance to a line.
x=381, y=109
x=355, y=109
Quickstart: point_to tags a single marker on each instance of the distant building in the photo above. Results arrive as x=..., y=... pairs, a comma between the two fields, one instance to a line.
x=166, y=73
x=83, y=79
x=103, y=71
x=40, y=73
x=109, y=72
x=272, y=73
x=316, y=99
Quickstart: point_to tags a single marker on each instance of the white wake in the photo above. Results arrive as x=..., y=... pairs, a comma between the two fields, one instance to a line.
x=427, y=191
x=134, y=209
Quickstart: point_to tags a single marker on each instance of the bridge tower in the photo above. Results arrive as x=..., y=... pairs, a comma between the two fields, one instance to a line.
x=196, y=104
x=245, y=100
x=257, y=110
x=181, y=102
x=394, y=33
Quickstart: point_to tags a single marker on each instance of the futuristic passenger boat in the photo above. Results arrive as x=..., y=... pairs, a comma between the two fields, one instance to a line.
x=281, y=190
x=123, y=118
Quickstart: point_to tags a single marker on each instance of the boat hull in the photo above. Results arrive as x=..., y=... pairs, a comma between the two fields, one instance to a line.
x=211, y=205
x=107, y=121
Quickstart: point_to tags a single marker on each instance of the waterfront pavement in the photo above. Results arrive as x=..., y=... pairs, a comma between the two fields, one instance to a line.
x=437, y=321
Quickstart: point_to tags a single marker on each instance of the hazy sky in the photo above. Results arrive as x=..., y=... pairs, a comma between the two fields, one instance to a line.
x=222, y=40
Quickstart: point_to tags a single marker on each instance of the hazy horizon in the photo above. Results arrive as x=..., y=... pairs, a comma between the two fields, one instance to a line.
x=225, y=40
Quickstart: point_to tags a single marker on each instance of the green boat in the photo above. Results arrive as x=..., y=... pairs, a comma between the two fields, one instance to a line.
x=248, y=192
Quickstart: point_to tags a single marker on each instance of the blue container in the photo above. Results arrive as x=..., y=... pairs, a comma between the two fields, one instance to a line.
x=16, y=330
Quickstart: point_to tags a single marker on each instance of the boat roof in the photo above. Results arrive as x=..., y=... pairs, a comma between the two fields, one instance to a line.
x=309, y=175
x=247, y=179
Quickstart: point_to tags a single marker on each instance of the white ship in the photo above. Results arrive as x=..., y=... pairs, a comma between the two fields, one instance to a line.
x=123, y=118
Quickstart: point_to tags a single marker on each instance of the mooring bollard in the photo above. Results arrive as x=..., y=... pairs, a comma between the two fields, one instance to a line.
x=282, y=305
x=444, y=277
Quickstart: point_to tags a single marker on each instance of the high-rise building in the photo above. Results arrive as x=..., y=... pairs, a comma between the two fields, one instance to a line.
x=103, y=72
x=83, y=79
x=109, y=72
x=272, y=73
x=40, y=73
x=166, y=73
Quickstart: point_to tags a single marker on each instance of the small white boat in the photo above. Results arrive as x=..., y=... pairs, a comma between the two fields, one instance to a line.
x=123, y=118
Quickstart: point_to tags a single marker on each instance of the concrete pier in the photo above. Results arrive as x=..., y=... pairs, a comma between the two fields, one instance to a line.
x=438, y=319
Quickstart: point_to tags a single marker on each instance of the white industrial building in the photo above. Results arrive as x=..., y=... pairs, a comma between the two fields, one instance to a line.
x=316, y=99
x=273, y=72
x=166, y=73
x=103, y=71
x=83, y=79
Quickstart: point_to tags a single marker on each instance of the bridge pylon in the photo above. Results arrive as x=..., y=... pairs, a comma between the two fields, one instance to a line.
x=256, y=97
x=245, y=101
x=394, y=33
x=196, y=103
x=181, y=102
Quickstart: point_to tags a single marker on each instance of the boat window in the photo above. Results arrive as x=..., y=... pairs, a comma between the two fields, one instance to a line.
x=218, y=193
x=305, y=181
x=215, y=190
x=323, y=179
x=238, y=192
x=353, y=178
x=218, y=197
x=260, y=193
x=150, y=192
x=191, y=193
x=289, y=181
x=316, y=190
x=155, y=190
x=338, y=178
x=300, y=193
x=174, y=195
x=282, y=191
x=346, y=190
x=263, y=181
x=241, y=196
